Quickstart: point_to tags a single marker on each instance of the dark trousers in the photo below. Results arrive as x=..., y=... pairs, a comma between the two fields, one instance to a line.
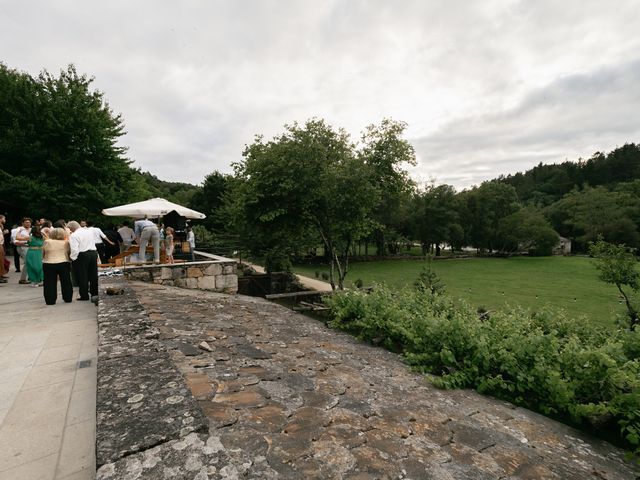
x=53, y=271
x=16, y=258
x=86, y=268
x=102, y=252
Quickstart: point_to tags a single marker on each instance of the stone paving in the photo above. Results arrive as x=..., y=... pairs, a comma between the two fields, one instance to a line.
x=286, y=397
x=47, y=396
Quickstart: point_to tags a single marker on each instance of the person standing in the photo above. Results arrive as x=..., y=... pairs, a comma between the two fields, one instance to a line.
x=146, y=231
x=56, y=264
x=23, y=234
x=168, y=245
x=84, y=256
x=2, y=270
x=99, y=238
x=33, y=259
x=191, y=238
x=14, y=247
x=126, y=232
x=112, y=249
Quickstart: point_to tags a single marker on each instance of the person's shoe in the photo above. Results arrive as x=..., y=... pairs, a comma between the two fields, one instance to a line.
x=80, y=299
x=94, y=299
x=3, y=280
x=23, y=282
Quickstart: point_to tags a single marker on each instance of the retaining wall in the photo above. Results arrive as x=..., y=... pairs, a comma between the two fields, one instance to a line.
x=217, y=275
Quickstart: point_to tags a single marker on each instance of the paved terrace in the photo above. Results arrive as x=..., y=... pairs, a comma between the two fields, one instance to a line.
x=47, y=386
x=272, y=394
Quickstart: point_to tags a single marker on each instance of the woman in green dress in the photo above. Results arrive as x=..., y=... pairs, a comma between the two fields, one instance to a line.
x=33, y=260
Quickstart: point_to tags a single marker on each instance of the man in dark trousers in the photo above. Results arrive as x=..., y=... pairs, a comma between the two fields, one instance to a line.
x=85, y=261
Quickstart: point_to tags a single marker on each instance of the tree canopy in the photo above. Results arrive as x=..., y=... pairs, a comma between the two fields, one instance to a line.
x=59, y=150
x=312, y=185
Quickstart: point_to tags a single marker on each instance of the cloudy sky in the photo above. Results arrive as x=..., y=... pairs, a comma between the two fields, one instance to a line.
x=487, y=87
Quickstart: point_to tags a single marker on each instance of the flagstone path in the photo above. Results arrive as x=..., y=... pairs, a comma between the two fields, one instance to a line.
x=286, y=397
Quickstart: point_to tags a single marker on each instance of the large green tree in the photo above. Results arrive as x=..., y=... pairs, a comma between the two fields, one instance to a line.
x=436, y=217
x=387, y=153
x=311, y=185
x=59, y=151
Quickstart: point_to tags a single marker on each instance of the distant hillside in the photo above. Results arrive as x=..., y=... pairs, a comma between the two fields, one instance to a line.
x=546, y=184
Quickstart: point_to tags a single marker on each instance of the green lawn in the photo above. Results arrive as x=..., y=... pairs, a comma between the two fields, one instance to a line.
x=567, y=282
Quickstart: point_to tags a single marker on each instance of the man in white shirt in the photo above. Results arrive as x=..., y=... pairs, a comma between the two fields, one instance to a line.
x=16, y=253
x=126, y=232
x=23, y=234
x=85, y=261
x=99, y=238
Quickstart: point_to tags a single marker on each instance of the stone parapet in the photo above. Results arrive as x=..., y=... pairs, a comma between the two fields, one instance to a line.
x=142, y=398
x=217, y=275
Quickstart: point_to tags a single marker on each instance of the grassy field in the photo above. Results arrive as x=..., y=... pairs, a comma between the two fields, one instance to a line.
x=570, y=283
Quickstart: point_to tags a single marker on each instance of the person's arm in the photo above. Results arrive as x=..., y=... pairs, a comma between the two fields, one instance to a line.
x=74, y=247
x=22, y=236
x=104, y=237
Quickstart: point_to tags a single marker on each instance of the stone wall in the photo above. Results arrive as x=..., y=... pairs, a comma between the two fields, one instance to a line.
x=213, y=275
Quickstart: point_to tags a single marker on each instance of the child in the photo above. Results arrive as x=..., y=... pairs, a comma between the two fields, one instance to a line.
x=168, y=243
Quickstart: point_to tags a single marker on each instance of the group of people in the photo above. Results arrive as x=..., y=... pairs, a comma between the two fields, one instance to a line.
x=46, y=253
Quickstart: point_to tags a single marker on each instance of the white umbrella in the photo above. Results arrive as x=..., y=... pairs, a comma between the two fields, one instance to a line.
x=154, y=207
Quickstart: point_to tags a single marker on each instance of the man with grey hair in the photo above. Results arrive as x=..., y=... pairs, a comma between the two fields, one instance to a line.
x=85, y=261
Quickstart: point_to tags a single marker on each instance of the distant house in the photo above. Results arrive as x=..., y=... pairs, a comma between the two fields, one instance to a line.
x=563, y=247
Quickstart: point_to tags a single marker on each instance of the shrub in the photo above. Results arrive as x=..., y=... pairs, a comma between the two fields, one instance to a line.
x=542, y=360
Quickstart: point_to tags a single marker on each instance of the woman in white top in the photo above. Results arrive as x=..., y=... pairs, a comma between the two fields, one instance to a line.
x=56, y=263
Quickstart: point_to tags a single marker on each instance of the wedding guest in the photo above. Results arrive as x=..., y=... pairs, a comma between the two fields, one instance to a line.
x=126, y=232
x=45, y=228
x=85, y=261
x=146, y=231
x=33, y=259
x=112, y=248
x=62, y=224
x=23, y=234
x=99, y=239
x=16, y=250
x=56, y=265
x=168, y=244
x=2, y=270
x=191, y=238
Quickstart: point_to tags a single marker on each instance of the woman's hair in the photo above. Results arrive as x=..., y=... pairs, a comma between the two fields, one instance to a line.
x=57, y=234
x=59, y=224
x=35, y=231
x=170, y=230
x=46, y=223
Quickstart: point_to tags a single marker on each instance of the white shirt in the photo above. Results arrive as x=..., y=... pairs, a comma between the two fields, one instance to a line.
x=127, y=234
x=98, y=234
x=81, y=241
x=21, y=232
x=191, y=238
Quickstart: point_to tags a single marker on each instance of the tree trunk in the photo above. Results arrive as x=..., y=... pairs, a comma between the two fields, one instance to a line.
x=633, y=315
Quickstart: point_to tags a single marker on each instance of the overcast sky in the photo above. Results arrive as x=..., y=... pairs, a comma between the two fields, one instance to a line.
x=487, y=87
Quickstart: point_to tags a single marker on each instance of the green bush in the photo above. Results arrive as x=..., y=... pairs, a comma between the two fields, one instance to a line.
x=542, y=360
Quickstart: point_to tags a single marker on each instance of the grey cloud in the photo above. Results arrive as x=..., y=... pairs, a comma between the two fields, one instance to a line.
x=572, y=117
x=195, y=81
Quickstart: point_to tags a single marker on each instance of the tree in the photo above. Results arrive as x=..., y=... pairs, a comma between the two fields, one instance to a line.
x=305, y=186
x=436, y=217
x=483, y=208
x=585, y=215
x=386, y=153
x=527, y=229
x=617, y=265
x=59, y=150
x=209, y=199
